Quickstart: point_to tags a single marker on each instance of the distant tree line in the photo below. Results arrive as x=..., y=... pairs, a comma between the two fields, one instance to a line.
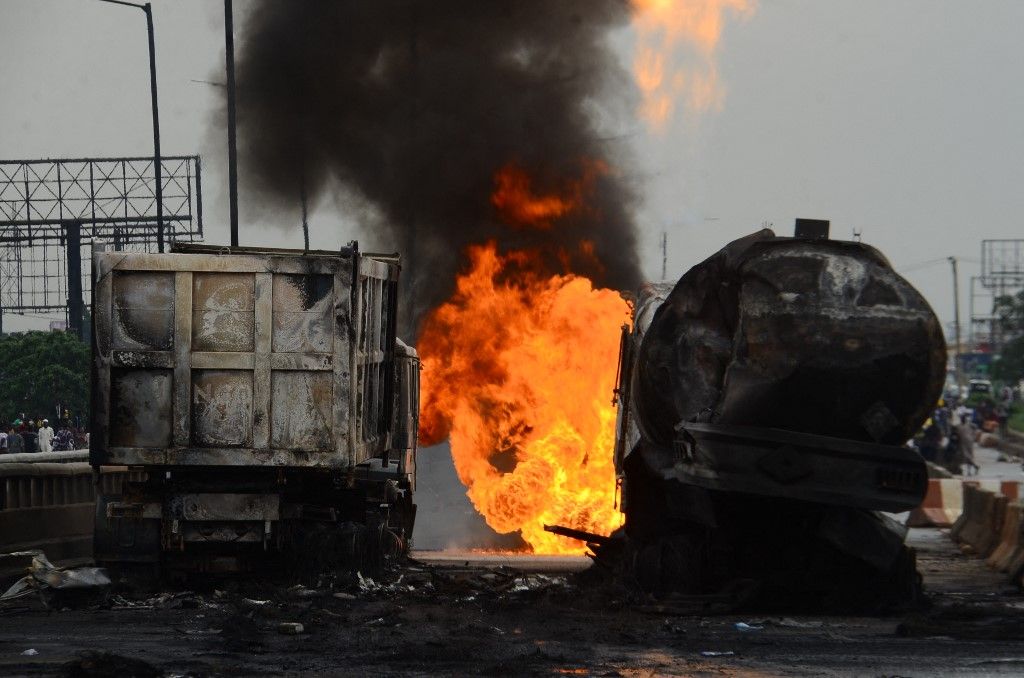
x=40, y=371
x=1009, y=312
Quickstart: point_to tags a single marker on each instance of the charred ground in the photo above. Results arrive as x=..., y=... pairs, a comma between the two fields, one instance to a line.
x=446, y=616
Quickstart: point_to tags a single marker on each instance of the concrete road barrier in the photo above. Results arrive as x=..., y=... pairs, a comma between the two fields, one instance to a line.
x=945, y=500
x=984, y=517
x=942, y=505
x=1009, y=541
x=1008, y=488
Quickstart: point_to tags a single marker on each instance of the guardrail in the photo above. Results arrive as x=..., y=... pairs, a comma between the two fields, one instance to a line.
x=45, y=457
x=51, y=505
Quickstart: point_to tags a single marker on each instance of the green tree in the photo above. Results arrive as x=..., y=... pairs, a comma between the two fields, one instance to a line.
x=1009, y=367
x=1009, y=310
x=40, y=370
x=1010, y=313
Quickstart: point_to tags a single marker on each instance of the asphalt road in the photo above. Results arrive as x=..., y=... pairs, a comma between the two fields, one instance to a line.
x=469, y=614
x=463, y=612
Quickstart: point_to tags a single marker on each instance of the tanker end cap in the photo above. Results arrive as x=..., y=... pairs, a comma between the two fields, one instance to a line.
x=811, y=229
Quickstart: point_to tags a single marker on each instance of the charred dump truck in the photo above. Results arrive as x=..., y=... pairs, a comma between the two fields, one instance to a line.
x=764, y=400
x=266, y=402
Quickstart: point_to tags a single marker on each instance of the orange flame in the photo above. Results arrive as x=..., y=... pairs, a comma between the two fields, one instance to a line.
x=661, y=25
x=518, y=370
x=519, y=206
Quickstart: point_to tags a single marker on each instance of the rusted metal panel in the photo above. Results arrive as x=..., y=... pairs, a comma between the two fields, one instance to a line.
x=302, y=313
x=222, y=408
x=140, y=408
x=222, y=312
x=239, y=359
x=143, y=311
x=301, y=417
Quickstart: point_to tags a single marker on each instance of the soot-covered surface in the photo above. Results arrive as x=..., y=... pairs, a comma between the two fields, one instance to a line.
x=464, y=618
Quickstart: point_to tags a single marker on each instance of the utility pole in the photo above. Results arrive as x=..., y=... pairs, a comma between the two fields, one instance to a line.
x=157, y=158
x=229, y=58
x=956, y=322
x=409, y=261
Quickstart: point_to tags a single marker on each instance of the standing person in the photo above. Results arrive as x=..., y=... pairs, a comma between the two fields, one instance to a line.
x=965, y=447
x=28, y=437
x=45, y=437
x=64, y=441
x=1002, y=415
x=15, y=445
x=941, y=417
x=3, y=441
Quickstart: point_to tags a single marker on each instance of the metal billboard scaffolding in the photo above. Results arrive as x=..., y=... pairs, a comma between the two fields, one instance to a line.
x=1002, y=275
x=51, y=209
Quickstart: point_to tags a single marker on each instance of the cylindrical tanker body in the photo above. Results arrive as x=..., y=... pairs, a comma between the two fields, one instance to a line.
x=763, y=403
x=815, y=336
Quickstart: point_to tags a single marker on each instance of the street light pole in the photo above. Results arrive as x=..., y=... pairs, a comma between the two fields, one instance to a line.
x=157, y=158
x=229, y=63
x=157, y=161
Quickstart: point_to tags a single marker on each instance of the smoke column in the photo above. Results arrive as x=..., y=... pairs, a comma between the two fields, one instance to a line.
x=414, y=106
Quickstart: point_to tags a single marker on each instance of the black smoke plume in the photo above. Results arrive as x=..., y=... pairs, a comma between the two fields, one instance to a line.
x=414, y=105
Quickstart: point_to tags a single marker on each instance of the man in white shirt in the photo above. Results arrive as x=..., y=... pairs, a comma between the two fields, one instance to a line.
x=46, y=437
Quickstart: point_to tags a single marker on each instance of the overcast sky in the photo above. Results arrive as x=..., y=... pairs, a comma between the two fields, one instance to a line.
x=899, y=118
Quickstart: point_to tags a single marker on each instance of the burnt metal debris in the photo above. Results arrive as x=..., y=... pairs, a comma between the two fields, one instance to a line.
x=764, y=399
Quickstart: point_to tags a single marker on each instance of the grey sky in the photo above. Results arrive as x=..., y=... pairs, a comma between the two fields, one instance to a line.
x=900, y=118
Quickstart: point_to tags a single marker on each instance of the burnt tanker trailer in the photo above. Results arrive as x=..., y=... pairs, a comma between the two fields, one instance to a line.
x=763, y=403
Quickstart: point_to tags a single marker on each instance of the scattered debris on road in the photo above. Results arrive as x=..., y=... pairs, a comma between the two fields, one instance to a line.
x=58, y=587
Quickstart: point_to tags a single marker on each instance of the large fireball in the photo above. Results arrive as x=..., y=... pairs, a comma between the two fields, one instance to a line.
x=518, y=372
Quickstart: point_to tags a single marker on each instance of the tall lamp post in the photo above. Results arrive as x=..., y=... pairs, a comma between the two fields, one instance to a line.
x=157, y=169
x=229, y=65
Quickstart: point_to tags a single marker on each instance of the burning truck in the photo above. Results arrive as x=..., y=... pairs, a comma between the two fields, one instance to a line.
x=763, y=401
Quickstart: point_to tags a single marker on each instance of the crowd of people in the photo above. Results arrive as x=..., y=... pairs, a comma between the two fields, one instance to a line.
x=35, y=434
x=948, y=437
